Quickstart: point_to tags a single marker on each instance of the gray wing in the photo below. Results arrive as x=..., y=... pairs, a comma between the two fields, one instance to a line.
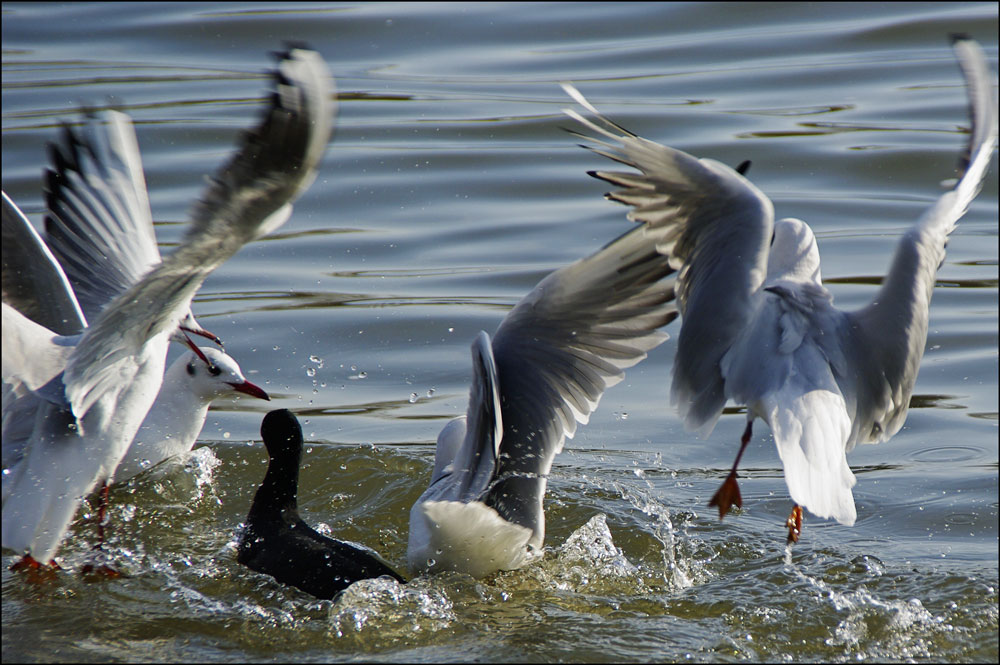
x=715, y=227
x=33, y=281
x=32, y=357
x=884, y=342
x=557, y=352
x=98, y=224
x=33, y=284
x=247, y=197
x=474, y=464
x=277, y=161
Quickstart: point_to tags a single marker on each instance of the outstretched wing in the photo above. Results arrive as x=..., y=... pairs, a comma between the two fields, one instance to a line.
x=249, y=196
x=98, y=224
x=557, y=352
x=714, y=226
x=888, y=363
x=474, y=464
x=33, y=281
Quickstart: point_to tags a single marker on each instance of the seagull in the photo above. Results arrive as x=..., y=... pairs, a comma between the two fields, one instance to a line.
x=758, y=326
x=275, y=541
x=95, y=406
x=544, y=371
x=174, y=422
x=99, y=225
x=169, y=429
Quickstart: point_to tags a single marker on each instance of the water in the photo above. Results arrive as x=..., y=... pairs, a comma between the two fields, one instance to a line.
x=448, y=193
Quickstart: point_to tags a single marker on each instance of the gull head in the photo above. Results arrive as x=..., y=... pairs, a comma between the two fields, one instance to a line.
x=794, y=256
x=221, y=375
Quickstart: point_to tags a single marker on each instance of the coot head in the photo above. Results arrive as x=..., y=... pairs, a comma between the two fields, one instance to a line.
x=281, y=432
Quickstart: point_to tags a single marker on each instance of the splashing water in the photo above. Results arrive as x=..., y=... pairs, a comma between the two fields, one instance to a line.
x=369, y=609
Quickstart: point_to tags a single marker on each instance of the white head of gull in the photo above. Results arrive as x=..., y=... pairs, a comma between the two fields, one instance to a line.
x=277, y=542
x=544, y=371
x=112, y=376
x=758, y=326
x=171, y=425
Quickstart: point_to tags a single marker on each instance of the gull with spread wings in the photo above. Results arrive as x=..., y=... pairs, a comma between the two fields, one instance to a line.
x=99, y=240
x=758, y=326
x=95, y=406
x=543, y=372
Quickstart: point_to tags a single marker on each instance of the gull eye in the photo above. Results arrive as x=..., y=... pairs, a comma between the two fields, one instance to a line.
x=214, y=370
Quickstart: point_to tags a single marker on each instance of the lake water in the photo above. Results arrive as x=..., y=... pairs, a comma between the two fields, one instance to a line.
x=448, y=192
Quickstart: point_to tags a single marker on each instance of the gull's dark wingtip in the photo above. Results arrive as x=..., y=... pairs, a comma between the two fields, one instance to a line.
x=287, y=47
x=959, y=37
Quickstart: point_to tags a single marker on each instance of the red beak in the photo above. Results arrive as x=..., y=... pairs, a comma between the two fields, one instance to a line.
x=251, y=389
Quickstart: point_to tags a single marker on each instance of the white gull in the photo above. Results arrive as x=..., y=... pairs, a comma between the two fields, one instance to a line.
x=758, y=326
x=114, y=372
x=99, y=225
x=544, y=371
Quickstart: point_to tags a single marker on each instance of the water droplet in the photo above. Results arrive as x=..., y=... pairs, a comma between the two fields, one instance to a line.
x=226, y=435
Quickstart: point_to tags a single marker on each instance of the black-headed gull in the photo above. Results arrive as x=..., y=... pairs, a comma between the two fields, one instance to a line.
x=99, y=224
x=544, y=371
x=759, y=327
x=175, y=419
x=169, y=428
x=114, y=372
x=275, y=541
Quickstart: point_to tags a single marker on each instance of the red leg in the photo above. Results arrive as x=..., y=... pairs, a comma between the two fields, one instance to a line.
x=728, y=494
x=101, y=570
x=36, y=572
x=102, y=512
x=794, y=524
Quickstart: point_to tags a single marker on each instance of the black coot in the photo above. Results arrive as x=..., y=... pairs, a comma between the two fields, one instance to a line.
x=277, y=542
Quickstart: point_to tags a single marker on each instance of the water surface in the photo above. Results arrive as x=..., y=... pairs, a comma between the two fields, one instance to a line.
x=448, y=192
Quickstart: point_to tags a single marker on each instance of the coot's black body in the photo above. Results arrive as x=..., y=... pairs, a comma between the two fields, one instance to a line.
x=277, y=542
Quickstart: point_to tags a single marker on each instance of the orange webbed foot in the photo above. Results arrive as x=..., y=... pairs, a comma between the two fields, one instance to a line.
x=36, y=572
x=727, y=496
x=794, y=524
